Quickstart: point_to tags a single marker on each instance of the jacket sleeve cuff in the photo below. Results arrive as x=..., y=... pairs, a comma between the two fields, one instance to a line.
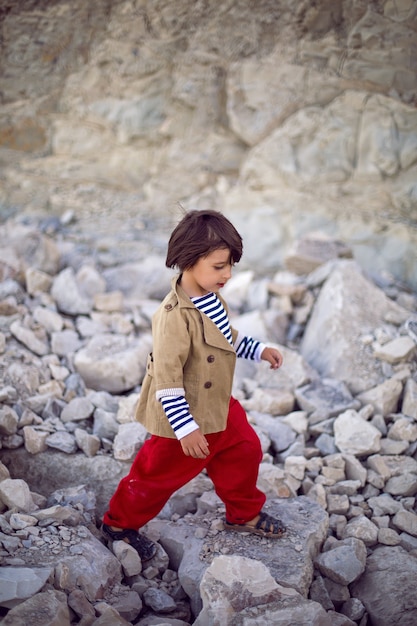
x=172, y=391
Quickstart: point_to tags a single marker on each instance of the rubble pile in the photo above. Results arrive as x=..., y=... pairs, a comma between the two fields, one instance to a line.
x=337, y=423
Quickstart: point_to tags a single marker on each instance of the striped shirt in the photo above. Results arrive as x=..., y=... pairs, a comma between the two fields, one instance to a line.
x=176, y=406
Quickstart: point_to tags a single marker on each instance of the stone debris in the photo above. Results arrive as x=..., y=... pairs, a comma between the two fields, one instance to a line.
x=337, y=424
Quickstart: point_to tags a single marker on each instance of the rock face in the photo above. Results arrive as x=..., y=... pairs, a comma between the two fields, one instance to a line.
x=291, y=117
x=339, y=442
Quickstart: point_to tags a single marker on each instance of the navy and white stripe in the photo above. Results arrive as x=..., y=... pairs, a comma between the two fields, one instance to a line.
x=248, y=348
x=178, y=413
x=176, y=406
x=213, y=308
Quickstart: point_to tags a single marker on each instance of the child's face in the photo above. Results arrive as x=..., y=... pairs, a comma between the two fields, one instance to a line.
x=210, y=273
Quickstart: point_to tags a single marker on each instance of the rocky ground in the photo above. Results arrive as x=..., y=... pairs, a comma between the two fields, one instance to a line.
x=337, y=423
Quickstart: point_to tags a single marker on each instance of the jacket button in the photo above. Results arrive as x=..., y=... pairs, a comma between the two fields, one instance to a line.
x=207, y=385
x=210, y=358
x=168, y=307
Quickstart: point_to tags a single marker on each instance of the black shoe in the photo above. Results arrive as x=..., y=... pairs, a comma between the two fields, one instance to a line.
x=143, y=546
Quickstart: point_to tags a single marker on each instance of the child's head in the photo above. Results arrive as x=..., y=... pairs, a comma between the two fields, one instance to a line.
x=198, y=234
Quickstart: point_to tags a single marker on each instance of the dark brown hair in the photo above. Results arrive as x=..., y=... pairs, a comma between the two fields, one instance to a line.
x=197, y=235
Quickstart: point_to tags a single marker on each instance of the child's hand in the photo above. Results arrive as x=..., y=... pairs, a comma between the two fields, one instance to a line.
x=273, y=356
x=195, y=445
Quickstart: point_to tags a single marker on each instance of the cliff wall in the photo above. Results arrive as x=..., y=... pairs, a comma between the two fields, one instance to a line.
x=290, y=117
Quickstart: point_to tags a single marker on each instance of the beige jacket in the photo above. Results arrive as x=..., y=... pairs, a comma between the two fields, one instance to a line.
x=191, y=356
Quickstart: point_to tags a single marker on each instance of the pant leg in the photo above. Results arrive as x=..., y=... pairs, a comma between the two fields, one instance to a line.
x=159, y=469
x=234, y=468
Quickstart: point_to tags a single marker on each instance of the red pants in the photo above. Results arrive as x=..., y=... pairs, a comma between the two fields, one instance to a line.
x=161, y=468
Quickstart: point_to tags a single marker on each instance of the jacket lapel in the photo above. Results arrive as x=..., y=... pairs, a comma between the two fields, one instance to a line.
x=212, y=335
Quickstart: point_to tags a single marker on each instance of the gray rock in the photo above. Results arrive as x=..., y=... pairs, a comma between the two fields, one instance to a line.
x=403, y=429
x=128, y=604
x=236, y=589
x=406, y=521
x=404, y=485
x=280, y=434
x=128, y=440
x=20, y=583
x=48, y=608
x=89, y=444
x=15, y=494
x=92, y=571
x=159, y=601
x=63, y=441
x=8, y=421
x=329, y=396
x=343, y=563
x=331, y=342
x=326, y=444
x=105, y=425
x=65, y=342
x=409, y=405
x=353, y=435
x=77, y=409
x=68, y=295
x=387, y=587
x=112, y=363
x=147, y=279
x=128, y=557
x=361, y=528
x=383, y=397
x=48, y=318
x=29, y=339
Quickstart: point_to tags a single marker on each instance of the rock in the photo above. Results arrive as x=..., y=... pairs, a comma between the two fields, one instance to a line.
x=89, y=444
x=68, y=295
x=395, y=351
x=112, y=363
x=406, y=521
x=15, y=494
x=29, y=339
x=409, y=406
x=81, y=607
x=128, y=440
x=8, y=421
x=128, y=605
x=338, y=319
x=388, y=569
x=48, y=608
x=310, y=252
x=236, y=588
x=361, y=528
x=353, y=435
x=20, y=583
x=128, y=557
x=63, y=441
x=344, y=562
x=327, y=396
x=159, y=601
x=273, y=401
x=93, y=570
x=384, y=397
x=35, y=440
x=403, y=429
